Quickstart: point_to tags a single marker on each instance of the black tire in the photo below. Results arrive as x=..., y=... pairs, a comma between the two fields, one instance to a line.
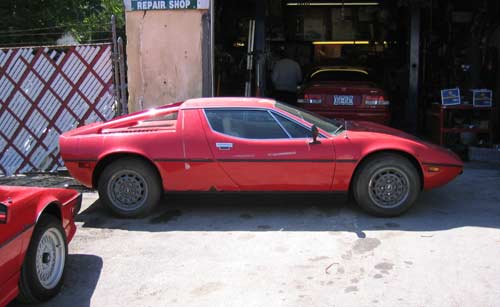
x=129, y=187
x=32, y=287
x=386, y=185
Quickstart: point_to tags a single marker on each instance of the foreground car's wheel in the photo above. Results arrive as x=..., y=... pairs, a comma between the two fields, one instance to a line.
x=129, y=187
x=386, y=185
x=43, y=268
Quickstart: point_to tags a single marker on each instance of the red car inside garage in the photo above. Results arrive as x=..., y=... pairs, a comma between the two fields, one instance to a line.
x=344, y=92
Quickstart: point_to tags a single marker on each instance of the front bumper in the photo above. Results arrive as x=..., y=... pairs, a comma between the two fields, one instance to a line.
x=436, y=175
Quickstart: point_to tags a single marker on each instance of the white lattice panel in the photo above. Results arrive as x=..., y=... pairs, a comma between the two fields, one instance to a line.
x=45, y=92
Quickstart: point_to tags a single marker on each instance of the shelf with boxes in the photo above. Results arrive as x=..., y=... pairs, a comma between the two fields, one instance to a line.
x=460, y=119
x=456, y=122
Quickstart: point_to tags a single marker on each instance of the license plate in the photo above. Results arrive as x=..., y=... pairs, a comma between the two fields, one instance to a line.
x=343, y=100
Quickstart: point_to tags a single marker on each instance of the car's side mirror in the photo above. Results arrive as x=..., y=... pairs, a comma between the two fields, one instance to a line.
x=315, y=134
x=3, y=214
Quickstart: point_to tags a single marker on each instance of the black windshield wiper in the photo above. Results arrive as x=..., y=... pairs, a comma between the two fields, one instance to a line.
x=341, y=126
x=338, y=129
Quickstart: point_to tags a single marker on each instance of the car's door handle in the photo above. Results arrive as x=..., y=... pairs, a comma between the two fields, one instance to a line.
x=224, y=146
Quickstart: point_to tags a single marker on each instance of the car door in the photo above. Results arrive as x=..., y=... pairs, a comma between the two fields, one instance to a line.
x=256, y=151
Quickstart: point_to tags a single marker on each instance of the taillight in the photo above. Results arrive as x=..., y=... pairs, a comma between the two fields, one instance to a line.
x=376, y=101
x=310, y=99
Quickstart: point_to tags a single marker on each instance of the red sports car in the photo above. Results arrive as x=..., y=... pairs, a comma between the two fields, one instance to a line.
x=344, y=92
x=36, y=225
x=251, y=144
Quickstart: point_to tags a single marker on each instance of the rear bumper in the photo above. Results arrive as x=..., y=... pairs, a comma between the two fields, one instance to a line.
x=81, y=170
x=70, y=231
x=70, y=212
x=371, y=115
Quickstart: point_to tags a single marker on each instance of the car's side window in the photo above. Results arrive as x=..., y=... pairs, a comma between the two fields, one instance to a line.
x=295, y=130
x=250, y=124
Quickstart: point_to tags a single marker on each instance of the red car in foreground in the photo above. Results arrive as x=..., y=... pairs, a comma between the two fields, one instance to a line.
x=36, y=225
x=251, y=144
x=344, y=92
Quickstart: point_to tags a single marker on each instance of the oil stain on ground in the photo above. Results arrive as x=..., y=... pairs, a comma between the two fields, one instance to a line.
x=351, y=289
x=392, y=225
x=384, y=266
x=365, y=245
x=264, y=227
x=166, y=217
x=246, y=216
x=95, y=222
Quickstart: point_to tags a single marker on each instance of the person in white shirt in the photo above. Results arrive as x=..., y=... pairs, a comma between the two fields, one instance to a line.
x=286, y=76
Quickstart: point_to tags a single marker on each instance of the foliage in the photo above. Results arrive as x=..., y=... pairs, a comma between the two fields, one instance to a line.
x=28, y=22
x=98, y=21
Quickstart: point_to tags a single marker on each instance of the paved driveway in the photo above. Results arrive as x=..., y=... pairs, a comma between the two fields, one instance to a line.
x=292, y=250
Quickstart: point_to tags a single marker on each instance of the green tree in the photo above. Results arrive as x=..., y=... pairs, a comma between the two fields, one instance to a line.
x=40, y=22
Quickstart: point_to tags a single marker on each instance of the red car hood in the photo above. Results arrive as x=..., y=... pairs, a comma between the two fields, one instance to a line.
x=364, y=126
x=370, y=127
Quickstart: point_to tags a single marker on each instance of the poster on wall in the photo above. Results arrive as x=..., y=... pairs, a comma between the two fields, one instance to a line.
x=482, y=97
x=148, y=5
x=450, y=96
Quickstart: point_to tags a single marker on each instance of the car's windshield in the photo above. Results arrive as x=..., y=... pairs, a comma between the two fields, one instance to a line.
x=331, y=126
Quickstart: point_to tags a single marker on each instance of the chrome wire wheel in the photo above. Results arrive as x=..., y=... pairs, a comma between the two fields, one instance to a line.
x=389, y=187
x=50, y=258
x=128, y=190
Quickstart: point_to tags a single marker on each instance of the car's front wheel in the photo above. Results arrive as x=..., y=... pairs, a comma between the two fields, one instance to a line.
x=129, y=187
x=386, y=185
x=43, y=268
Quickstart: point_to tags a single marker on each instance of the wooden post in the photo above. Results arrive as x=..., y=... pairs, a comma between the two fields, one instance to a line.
x=115, y=66
x=123, y=82
x=413, y=93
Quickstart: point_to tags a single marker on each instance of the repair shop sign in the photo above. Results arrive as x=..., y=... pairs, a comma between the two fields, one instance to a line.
x=143, y=5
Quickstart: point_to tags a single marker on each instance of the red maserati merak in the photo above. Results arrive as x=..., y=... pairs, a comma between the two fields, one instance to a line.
x=36, y=225
x=251, y=144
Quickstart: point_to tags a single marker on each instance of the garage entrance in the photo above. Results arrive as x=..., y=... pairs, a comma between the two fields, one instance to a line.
x=414, y=51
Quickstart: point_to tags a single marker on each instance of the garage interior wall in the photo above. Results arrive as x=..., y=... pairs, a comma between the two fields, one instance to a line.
x=164, y=57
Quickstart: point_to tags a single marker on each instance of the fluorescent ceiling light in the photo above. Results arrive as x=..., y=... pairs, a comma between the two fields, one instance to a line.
x=342, y=43
x=332, y=3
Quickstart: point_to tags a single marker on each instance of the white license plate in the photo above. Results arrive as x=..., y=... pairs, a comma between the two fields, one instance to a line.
x=343, y=100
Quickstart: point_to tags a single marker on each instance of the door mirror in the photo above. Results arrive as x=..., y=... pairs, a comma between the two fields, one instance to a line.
x=3, y=214
x=315, y=134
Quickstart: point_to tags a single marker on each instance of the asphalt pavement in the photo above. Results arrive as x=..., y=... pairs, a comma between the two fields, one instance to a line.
x=289, y=250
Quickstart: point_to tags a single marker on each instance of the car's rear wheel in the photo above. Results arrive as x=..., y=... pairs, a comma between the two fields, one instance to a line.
x=43, y=268
x=129, y=187
x=386, y=185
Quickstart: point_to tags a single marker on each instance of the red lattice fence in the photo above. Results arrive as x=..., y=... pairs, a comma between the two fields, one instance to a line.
x=45, y=92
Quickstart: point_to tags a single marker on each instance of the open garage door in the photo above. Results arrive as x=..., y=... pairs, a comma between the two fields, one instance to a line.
x=414, y=51
x=370, y=36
